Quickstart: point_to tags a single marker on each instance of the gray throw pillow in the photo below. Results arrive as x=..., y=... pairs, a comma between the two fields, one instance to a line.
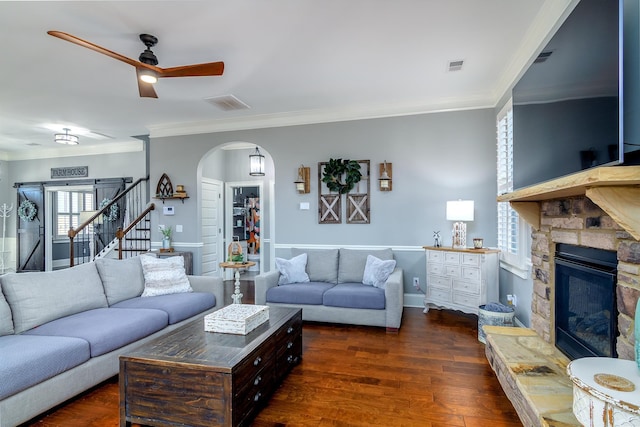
x=377, y=271
x=292, y=270
x=322, y=264
x=122, y=279
x=353, y=261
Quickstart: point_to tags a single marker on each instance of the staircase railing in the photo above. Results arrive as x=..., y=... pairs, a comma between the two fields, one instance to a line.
x=102, y=232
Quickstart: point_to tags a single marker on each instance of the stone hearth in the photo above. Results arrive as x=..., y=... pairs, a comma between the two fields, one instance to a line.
x=578, y=221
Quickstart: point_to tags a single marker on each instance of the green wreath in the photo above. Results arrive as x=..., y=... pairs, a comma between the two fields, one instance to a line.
x=113, y=210
x=335, y=169
x=27, y=210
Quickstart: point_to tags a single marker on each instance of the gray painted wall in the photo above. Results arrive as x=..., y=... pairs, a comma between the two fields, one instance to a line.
x=436, y=157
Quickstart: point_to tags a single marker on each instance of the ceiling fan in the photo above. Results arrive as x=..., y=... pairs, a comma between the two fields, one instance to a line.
x=146, y=68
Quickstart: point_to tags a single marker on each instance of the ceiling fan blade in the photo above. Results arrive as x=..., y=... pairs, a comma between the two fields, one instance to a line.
x=146, y=89
x=195, y=70
x=100, y=49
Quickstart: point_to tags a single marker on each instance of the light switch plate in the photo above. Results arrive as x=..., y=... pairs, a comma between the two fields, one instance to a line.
x=304, y=206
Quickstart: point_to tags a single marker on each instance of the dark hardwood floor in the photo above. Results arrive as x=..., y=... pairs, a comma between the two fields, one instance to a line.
x=433, y=372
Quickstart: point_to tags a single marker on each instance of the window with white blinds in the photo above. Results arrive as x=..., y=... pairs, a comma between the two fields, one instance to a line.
x=68, y=205
x=512, y=231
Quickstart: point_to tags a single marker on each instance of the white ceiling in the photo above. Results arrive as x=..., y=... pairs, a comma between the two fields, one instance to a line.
x=291, y=61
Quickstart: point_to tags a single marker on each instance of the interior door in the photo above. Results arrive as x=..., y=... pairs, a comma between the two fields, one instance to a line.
x=30, y=230
x=212, y=218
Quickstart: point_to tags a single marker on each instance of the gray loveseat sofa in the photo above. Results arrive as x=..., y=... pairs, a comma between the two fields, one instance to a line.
x=62, y=332
x=335, y=292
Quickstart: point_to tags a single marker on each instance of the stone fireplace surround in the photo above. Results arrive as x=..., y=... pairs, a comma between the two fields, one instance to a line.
x=598, y=208
x=579, y=221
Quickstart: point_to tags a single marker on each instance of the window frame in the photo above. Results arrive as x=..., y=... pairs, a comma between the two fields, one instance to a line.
x=516, y=261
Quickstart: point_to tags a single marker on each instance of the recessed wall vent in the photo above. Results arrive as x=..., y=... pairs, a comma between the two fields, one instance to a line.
x=543, y=57
x=227, y=103
x=456, y=65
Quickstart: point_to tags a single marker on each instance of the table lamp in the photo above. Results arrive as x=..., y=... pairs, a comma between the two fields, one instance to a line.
x=460, y=211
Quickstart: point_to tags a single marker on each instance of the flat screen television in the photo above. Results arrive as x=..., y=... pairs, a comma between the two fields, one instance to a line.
x=577, y=104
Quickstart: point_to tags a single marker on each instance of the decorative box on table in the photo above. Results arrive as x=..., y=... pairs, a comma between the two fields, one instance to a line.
x=236, y=319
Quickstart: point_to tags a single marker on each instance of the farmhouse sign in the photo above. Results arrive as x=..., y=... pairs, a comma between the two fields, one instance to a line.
x=70, y=172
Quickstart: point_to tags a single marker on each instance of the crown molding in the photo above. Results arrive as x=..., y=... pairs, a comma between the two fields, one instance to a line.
x=73, y=151
x=297, y=118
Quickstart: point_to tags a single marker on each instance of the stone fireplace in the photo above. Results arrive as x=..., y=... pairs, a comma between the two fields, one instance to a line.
x=579, y=221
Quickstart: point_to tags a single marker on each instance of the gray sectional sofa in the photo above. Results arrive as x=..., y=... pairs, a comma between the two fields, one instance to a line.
x=62, y=332
x=335, y=291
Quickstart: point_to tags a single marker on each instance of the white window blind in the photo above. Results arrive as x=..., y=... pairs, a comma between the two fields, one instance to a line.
x=511, y=230
x=69, y=204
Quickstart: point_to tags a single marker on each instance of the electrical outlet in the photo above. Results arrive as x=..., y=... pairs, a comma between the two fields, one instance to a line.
x=512, y=300
x=416, y=282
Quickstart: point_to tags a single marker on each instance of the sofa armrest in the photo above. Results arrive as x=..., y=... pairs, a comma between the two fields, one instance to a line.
x=262, y=284
x=210, y=284
x=394, y=298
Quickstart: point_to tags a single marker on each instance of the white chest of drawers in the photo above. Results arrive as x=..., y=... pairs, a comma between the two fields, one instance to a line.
x=461, y=279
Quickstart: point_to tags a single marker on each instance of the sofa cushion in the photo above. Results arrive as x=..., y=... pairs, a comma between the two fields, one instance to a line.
x=303, y=293
x=354, y=295
x=163, y=276
x=322, y=264
x=6, y=321
x=292, y=270
x=353, y=261
x=36, y=298
x=106, y=329
x=29, y=360
x=377, y=271
x=122, y=279
x=177, y=306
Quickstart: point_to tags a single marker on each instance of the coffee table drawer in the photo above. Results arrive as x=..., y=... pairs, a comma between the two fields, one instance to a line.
x=253, y=398
x=247, y=370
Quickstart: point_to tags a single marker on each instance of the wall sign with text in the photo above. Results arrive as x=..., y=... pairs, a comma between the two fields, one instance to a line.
x=70, y=172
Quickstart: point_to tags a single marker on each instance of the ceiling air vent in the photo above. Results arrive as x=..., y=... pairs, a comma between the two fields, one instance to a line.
x=227, y=103
x=543, y=57
x=456, y=65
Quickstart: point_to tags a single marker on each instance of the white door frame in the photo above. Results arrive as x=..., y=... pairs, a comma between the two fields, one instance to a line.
x=221, y=217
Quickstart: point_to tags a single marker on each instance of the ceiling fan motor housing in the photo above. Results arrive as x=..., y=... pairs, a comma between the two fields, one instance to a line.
x=148, y=57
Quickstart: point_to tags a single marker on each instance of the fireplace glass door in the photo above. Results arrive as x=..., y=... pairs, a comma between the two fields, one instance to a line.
x=586, y=314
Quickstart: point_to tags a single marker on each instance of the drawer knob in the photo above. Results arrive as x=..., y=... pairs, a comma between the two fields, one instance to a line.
x=257, y=397
x=257, y=361
x=257, y=380
x=291, y=358
x=290, y=329
x=289, y=345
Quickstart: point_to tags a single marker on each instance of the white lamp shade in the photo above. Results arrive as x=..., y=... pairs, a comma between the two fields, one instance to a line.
x=460, y=210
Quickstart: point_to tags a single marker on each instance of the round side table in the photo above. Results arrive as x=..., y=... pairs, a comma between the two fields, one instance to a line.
x=606, y=391
x=237, y=266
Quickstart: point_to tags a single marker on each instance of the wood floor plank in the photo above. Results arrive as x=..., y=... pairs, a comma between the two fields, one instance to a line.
x=432, y=373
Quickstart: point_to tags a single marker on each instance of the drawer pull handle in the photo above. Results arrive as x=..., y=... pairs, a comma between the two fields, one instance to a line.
x=290, y=358
x=290, y=329
x=289, y=345
x=257, y=361
x=257, y=397
x=257, y=380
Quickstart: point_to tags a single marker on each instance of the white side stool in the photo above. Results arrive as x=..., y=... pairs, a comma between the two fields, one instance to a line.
x=606, y=391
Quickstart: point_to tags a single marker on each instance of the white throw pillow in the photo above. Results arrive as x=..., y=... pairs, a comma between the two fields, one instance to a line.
x=292, y=270
x=163, y=276
x=377, y=271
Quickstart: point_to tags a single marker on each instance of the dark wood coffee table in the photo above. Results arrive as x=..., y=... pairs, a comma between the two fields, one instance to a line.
x=195, y=378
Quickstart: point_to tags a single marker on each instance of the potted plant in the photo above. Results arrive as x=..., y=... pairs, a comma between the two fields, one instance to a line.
x=166, y=236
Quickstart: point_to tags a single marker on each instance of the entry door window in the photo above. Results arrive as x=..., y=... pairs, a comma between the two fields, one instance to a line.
x=67, y=210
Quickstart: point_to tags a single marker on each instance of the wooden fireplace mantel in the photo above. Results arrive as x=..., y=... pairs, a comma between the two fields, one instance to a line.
x=615, y=189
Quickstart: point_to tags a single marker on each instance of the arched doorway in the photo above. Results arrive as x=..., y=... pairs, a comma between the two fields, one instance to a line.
x=231, y=202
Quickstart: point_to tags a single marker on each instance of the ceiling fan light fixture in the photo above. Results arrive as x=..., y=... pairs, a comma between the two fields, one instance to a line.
x=66, y=138
x=148, y=76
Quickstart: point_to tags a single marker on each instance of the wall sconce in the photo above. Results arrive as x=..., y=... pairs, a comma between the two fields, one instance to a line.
x=303, y=184
x=256, y=164
x=459, y=211
x=385, y=182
